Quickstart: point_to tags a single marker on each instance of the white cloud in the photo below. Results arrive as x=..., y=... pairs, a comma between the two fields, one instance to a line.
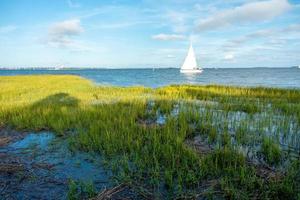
x=251, y=12
x=229, y=57
x=7, y=29
x=168, y=37
x=273, y=35
x=61, y=34
x=67, y=27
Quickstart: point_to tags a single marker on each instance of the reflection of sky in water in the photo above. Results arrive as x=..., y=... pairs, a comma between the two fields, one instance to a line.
x=272, y=77
x=191, y=78
x=40, y=140
x=44, y=149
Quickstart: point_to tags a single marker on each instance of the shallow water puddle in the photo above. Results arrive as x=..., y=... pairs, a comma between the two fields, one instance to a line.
x=40, y=141
x=40, y=165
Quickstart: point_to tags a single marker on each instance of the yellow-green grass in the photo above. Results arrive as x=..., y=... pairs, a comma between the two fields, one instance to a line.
x=120, y=124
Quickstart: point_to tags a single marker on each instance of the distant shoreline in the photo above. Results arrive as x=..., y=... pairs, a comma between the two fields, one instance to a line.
x=139, y=68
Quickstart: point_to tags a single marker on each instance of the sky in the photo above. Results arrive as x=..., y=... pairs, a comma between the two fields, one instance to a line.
x=149, y=33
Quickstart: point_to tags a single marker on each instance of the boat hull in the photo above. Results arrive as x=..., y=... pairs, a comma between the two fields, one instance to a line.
x=191, y=71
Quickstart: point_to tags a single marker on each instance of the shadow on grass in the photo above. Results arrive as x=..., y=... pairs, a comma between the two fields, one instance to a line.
x=59, y=99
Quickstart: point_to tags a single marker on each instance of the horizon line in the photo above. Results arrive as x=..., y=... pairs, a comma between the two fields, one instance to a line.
x=108, y=68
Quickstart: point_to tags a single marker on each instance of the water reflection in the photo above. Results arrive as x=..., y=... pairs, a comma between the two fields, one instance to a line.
x=191, y=77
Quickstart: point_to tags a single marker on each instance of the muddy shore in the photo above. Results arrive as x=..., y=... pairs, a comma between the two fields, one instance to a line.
x=40, y=166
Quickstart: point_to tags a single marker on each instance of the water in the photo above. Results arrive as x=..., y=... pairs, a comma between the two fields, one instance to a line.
x=47, y=166
x=269, y=77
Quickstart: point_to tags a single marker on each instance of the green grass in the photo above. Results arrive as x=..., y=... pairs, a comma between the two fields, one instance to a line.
x=119, y=123
x=80, y=190
x=271, y=151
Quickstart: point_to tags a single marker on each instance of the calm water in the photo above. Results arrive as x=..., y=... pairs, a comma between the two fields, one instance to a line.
x=49, y=165
x=271, y=77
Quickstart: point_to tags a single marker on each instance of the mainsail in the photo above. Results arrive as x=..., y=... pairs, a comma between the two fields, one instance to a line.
x=190, y=62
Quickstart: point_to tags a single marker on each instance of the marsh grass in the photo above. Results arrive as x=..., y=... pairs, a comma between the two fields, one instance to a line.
x=80, y=190
x=154, y=157
x=271, y=151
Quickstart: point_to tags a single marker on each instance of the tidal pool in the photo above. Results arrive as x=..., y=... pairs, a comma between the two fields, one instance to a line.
x=40, y=166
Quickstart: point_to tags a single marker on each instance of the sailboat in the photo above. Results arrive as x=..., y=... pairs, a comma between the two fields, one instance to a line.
x=190, y=63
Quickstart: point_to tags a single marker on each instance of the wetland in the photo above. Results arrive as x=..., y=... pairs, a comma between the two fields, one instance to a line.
x=63, y=137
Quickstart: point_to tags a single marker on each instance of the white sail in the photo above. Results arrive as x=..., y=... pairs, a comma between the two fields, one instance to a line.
x=190, y=63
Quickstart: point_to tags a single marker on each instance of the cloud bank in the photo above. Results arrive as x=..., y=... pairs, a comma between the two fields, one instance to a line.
x=248, y=13
x=274, y=35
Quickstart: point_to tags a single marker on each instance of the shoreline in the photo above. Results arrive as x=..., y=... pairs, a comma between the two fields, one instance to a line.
x=282, y=78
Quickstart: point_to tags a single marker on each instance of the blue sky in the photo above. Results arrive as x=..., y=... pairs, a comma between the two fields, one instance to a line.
x=149, y=33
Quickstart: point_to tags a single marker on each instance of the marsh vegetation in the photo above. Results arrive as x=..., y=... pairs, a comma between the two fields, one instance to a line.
x=179, y=141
